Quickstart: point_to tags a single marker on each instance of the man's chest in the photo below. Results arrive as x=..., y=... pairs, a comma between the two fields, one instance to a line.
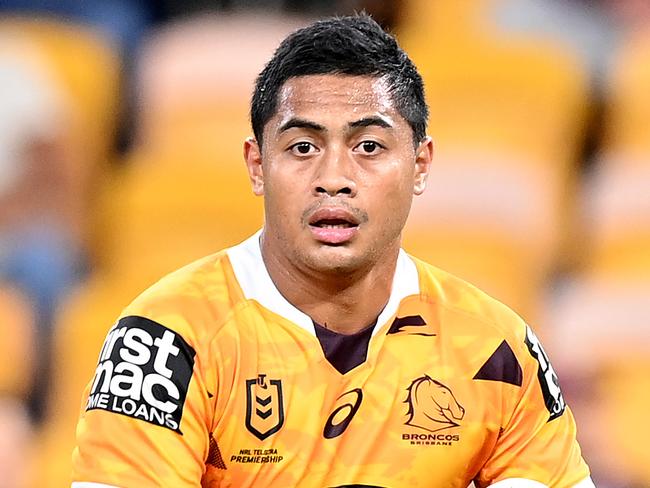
x=411, y=414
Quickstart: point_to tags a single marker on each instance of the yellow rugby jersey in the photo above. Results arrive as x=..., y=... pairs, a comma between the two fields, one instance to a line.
x=211, y=378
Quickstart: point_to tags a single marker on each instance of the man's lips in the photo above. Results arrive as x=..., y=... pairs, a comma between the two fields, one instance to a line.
x=338, y=216
x=333, y=225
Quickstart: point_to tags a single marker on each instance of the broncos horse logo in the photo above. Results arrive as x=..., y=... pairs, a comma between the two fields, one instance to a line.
x=432, y=406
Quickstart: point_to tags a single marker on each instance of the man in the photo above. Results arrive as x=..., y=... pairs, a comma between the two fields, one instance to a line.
x=317, y=353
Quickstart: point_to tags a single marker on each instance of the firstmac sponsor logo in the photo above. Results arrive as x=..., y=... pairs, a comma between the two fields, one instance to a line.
x=144, y=372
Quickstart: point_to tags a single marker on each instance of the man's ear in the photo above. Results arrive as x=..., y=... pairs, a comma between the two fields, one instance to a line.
x=253, y=158
x=423, y=158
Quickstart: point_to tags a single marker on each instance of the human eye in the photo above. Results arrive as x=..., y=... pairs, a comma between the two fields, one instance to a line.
x=303, y=148
x=369, y=148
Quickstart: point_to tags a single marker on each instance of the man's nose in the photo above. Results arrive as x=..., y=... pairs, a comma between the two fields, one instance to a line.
x=335, y=175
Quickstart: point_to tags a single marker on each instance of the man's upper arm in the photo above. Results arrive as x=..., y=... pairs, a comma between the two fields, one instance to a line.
x=537, y=447
x=144, y=418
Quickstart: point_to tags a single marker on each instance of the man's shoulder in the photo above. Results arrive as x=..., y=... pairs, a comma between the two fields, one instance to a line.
x=457, y=298
x=193, y=299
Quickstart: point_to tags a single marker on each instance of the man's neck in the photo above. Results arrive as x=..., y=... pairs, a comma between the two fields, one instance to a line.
x=345, y=303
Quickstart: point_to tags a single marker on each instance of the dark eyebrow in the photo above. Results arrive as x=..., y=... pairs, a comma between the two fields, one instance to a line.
x=368, y=121
x=301, y=124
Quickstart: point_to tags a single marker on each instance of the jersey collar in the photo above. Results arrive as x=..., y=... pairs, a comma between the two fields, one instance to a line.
x=255, y=282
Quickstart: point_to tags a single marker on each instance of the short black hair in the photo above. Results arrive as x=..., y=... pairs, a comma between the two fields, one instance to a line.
x=354, y=45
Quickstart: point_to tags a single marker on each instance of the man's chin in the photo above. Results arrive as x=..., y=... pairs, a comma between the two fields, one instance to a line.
x=330, y=259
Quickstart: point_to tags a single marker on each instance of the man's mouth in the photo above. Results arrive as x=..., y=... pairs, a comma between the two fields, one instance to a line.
x=333, y=225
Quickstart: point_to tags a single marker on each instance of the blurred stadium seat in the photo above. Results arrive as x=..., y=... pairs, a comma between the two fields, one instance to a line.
x=80, y=331
x=489, y=225
x=451, y=20
x=600, y=339
x=526, y=96
x=628, y=101
x=78, y=336
x=18, y=353
x=85, y=68
x=17, y=348
x=617, y=218
x=169, y=208
x=600, y=319
x=508, y=119
x=617, y=194
x=195, y=78
x=17, y=448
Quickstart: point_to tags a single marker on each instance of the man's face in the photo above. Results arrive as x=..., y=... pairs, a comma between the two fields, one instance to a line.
x=338, y=170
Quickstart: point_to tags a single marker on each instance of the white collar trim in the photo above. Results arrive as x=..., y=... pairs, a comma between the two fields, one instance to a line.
x=255, y=281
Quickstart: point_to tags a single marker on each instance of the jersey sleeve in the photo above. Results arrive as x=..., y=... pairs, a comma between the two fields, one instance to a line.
x=146, y=412
x=537, y=445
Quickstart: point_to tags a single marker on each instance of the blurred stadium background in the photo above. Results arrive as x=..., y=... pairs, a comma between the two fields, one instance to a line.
x=121, y=127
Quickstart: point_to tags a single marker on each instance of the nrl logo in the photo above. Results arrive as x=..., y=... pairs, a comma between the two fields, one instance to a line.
x=432, y=406
x=264, y=406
